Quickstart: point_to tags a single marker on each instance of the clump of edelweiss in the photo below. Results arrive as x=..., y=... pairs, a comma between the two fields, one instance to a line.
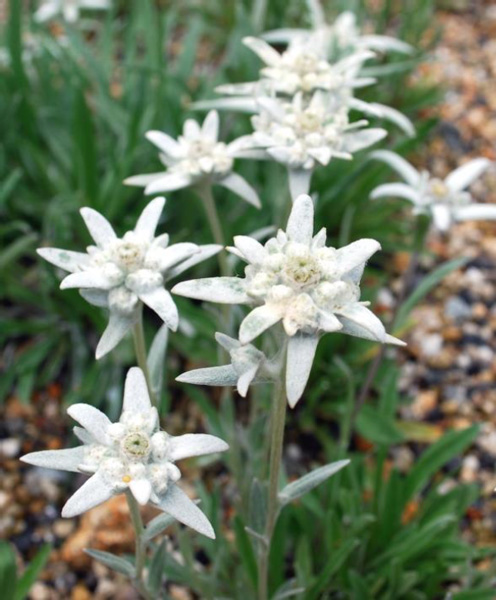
x=445, y=201
x=197, y=157
x=248, y=365
x=131, y=455
x=295, y=279
x=122, y=274
x=68, y=9
x=303, y=135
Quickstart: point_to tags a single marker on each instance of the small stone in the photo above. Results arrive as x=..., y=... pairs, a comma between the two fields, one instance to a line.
x=470, y=469
x=10, y=447
x=430, y=345
x=80, y=592
x=424, y=403
x=40, y=591
x=488, y=442
x=452, y=334
x=479, y=311
x=457, y=309
x=403, y=458
x=62, y=528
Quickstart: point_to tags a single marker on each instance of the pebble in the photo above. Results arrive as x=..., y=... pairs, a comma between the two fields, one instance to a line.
x=488, y=442
x=10, y=447
x=470, y=469
x=457, y=309
x=431, y=345
x=40, y=591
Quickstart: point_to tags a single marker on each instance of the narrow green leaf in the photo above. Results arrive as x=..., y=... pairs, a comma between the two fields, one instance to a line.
x=450, y=445
x=373, y=425
x=113, y=562
x=16, y=249
x=156, y=575
x=32, y=571
x=425, y=286
x=156, y=360
x=301, y=486
x=8, y=571
x=258, y=506
x=334, y=562
x=245, y=549
x=157, y=525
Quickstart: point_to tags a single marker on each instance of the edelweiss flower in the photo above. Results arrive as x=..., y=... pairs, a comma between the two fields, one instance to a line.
x=248, y=365
x=295, y=279
x=444, y=200
x=302, y=136
x=69, y=9
x=303, y=67
x=132, y=454
x=341, y=37
x=121, y=273
x=196, y=157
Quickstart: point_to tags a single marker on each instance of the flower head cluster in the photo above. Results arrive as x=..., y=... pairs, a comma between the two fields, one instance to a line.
x=196, y=157
x=295, y=279
x=303, y=104
x=122, y=274
x=303, y=67
x=248, y=365
x=302, y=135
x=68, y=9
x=132, y=454
x=340, y=37
x=446, y=201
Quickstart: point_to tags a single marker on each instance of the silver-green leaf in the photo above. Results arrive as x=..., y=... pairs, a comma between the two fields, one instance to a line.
x=157, y=525
x=113, y=562
x=301, y=486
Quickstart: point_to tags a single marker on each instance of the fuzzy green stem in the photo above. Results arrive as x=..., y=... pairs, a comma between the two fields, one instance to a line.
x=140, y=556
x=205, y=193
x=140, y=351
x=278, y=420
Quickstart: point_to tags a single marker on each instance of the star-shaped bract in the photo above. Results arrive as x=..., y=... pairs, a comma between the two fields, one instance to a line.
x=295, y=279
x=248, y=365
x=196, y=157
x=132, y=454
x=121, y=274
x=443, y=199
x=68, y=9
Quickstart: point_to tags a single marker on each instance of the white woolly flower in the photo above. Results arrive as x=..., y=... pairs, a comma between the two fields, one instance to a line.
x=295, y=279
x=122, y=273
x=443, y=199
x=197, y=156
x=248, y=365
x=68, y=9
x=303, y=135
x=132, y=454
x=303, y=67
x=340, y=37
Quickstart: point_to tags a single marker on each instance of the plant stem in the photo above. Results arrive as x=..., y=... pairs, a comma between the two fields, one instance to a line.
x=140, y=556
x=140, y=351
x=205, y=193
x=278, y=420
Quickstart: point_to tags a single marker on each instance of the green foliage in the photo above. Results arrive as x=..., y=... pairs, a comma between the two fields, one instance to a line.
x=12, y=585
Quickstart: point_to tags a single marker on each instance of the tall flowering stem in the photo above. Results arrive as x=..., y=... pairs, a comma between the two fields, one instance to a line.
x=278, y=420
x=141, y=355
x=206, y=195
x=140, y=555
